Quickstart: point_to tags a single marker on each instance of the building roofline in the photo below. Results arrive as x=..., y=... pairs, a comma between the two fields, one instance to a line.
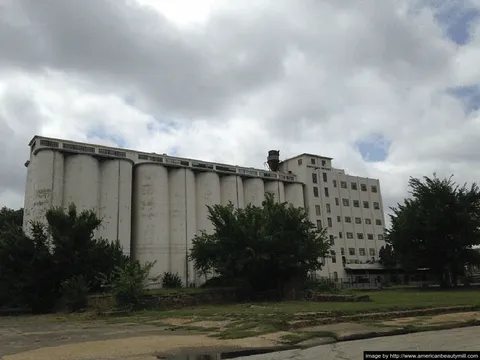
x=157, y=154
x=306, y=154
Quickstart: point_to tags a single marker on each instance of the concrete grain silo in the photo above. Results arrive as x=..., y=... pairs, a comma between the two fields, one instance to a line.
x=277, y=189
x=253, y=191
x=208, y=193
x=294, y=194
x=81, y=182
x=231, y=187
x=115, y=199
x=182, y=222
x=45, y=182
x=151, y=216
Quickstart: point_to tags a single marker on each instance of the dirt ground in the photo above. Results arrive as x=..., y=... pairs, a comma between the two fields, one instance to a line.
x=70, y=338
x=434, y=320
x=49, y=337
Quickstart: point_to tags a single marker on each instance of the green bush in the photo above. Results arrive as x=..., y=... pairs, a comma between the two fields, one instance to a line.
x=321, y=285
x=171, y=281
x=130, y=283
x=74, y=291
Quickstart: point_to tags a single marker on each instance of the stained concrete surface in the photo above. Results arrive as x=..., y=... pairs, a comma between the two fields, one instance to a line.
x=464, y=339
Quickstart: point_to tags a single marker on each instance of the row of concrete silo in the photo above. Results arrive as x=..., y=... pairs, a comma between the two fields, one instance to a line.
x=154, y=211
x=103, y=185
x=170, y=208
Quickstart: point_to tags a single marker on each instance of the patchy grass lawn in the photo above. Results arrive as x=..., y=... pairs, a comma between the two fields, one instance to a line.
x=234, y=321
x=381, y=300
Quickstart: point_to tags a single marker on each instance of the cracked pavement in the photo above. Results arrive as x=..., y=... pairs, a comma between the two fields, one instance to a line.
x=449, y=340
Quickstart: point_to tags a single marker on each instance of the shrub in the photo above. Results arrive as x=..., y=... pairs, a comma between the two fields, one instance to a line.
x=321, y=285
x=171, y=281
x=131, y=282
x=74, y=291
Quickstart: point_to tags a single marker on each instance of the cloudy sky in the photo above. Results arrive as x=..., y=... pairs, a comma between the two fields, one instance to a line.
x=389, y=89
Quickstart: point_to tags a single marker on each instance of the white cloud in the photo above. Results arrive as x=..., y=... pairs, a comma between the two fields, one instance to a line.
x=220, y=80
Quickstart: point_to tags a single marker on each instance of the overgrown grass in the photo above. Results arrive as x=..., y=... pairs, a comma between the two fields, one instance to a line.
x=193, y=290
x=294, y=339
x=381, y=301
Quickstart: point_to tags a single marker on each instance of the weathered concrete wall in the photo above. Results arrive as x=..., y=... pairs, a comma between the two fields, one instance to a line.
x=151, y=217
x=115, y=198
x=294, y=194
x=182, y=221
x=231, y=188
x=81, y=182
x=277, y=189
x=254, y=191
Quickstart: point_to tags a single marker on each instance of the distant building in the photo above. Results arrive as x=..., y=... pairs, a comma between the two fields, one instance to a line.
x=350, y=207
x=155, y=204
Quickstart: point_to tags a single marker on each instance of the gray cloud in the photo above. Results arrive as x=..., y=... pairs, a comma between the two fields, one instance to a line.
x=300, y=76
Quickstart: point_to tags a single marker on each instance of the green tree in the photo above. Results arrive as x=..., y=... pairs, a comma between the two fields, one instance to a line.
x=36, y=270
x=26, y=268
x=387, y=256
x=266, y=246
x=9, y=218
x=76, y=252
x=436, y=227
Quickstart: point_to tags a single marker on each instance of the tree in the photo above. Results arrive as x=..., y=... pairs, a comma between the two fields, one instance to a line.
x=76, y=251
x=387, y=256
x=26, y=268
x=267, y=246
x=36, y=270
x=437, y=227
x=9, y=218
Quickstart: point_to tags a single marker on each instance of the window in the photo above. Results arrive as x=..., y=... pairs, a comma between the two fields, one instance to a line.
x=312, y=161
x=342, y=251
x=380, y=236
x=348, y=219
x=370, y=236
x=334, y=183
x=343, y=184
x=359, y=236
x=376, y=206
x=354, y=186
x=332, y=239
x=366, y=205
x=374, y=189
x=324, y=162
x=346, y=202
x=378, y=222
x=361, y=252
x=314, y=178
x=329, y=210
x=333, y=256
x=340, y=235
x=319, y=224
x=371, y=252
x=351, y=251
x=356, y=203
x=325, y=177
x=337, y=202
x=299, y=161
x=317, y=210
x=326, y=192
x=335, y=276
x=368, y=221
x=363, y=187
x=339, y=219
x=358, y=220
x=349, y=235
x=315, y=191
x=329, y=222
